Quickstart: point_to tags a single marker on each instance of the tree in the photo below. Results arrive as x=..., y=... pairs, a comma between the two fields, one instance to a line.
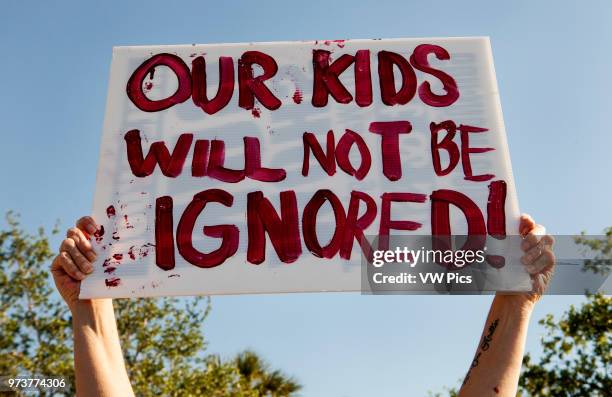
x=35, y=333
x=576, y=358
x=576, y=353
x=577, y=348
x=602, y=261
x=255, y=375
x=162, y=339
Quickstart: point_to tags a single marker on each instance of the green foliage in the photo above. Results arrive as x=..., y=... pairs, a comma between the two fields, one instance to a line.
x=162, y=339
x=576, y=353
x=35, y=335
x=577, y=348
x=255, y=375
x=577, y=356
x=602, y=262
x=449, y=392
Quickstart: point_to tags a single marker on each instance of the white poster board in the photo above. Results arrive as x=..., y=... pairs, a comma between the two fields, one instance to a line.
x=364, y=91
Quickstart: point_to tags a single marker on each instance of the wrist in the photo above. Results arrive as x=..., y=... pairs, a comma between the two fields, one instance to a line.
x=85, y=306
x=91, y=312
x=521, y=305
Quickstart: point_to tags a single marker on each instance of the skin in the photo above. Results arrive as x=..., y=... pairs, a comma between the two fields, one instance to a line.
x=100, y=368
x=98, y=360
x=496, y=367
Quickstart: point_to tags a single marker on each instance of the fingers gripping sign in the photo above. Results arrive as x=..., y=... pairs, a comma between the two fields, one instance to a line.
x=74, y=261
x=538, y=257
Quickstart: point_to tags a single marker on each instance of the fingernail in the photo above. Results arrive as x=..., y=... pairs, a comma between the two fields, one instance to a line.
x=91, y=228
x=91, y=256
x=80, y=275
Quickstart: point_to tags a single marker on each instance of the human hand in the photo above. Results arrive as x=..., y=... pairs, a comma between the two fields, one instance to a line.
x=74, y=261
x=538, y=259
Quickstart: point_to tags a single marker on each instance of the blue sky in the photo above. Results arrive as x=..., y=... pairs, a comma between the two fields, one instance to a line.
x=553, y=67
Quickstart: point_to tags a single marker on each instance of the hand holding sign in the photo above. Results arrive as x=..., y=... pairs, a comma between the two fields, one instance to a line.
x=539, y=259
x=74, y=260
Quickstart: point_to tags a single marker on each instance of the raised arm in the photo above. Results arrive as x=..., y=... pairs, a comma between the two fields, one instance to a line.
x=98, y=360
x=496, y=366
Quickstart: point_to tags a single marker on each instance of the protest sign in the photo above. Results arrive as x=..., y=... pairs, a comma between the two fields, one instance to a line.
x=260, y=167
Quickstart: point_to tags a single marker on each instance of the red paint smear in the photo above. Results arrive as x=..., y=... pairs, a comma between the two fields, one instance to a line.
x=106, y=262
x=148, y=85
x=99, y=234
x=174, y=275
x=127, y=222
x=297, y=96
x=131, y=253
x=144, y=250
x=339, y=43
x=110, y=270
x=256, y=112
x=112, y=282
x=115, y=236
x=152, y=74
x=118, y=257
x=110, y=211
x=192, y=55
x=497, y=261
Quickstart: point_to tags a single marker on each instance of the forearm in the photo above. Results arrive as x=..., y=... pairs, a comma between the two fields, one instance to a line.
x=496, y=367
x=98, y=360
